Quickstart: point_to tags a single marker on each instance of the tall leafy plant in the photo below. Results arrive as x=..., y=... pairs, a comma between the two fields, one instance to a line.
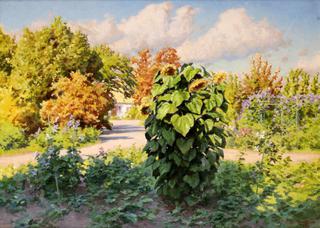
x=185, y=131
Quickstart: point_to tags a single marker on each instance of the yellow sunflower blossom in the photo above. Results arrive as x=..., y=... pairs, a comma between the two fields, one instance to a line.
x=197, y=85
x=220, y=77
x=168, y=69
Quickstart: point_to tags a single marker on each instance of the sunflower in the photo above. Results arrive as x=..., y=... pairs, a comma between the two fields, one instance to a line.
x=168, y=69
x=219, y=77
x=197, y=85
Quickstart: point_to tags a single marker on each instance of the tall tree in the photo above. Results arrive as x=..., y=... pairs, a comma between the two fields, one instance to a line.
x=261, y=78
x=7, y=48
x=44, y=56
x=167, y=56
x=116, y=71
x=146, y=67
x=300, y=82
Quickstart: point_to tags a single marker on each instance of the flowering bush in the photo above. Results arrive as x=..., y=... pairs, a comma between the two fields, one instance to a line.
x=56, y=173
x=294, y=120
x=267, y=108
x=64, y=137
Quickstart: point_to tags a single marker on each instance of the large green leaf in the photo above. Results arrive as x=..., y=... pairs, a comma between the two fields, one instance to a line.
x=193, y=180
x=208, y=125
x=192, y=154
x=212, y=157
x=205, y=165
x=219, y=99
x=166, y=97
x=150, y=160
x=166, y=108
x=179, y=96
x=215, y=139
x=195, y=105
x=164, y=167
x=153, y=146
x=158, y=90
x=182, y=124
x=210, y=104
x=184, y=145
x=177, y=159
x=186, y=70
x=171, y=81
x=169, y=135
x=189, y=75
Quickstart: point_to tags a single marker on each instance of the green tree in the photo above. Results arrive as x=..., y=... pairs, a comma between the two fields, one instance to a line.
x=7, y=48
x=44, y=56
x=300, y=82
x=116, y=71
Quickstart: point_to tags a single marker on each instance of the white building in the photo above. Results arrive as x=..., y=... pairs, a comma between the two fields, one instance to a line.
x=122, y=105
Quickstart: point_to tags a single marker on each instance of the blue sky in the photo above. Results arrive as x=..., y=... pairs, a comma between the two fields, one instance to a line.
x=223, y=35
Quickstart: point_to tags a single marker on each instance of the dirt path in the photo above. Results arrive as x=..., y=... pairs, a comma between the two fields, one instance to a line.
x=126, y=133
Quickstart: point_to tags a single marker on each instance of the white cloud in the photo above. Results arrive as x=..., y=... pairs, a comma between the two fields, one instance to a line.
x=154, y=27
x=105, y=31
x=234, y=35
x=310, y=64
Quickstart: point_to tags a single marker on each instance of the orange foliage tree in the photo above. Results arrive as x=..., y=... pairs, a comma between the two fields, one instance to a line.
x=77, y=96
x=261, y=78
x=146, y=67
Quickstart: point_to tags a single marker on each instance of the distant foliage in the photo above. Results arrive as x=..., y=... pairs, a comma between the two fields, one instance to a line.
x=233, y=95
x=185, y=131
x=299, y=82
x=146, y=67
x=77, y=96
x=134, y=113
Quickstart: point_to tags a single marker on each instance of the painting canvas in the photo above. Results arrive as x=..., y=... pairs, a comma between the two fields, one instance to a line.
x=182, y=113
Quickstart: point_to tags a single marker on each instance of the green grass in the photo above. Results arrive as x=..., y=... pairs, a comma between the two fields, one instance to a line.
x=32, y=149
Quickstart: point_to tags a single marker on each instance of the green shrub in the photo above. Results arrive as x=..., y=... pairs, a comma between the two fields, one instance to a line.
x=185, y=131
x=64, y=137
x=96, y=166
x=135, y=154
x=11, y=137
x=56, y=173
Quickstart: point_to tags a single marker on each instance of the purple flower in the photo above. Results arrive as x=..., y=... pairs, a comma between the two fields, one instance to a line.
x=55, y=128
x=77, y=124
x=70, y=124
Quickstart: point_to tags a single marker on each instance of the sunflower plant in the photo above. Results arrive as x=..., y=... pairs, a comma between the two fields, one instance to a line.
x=185, y=131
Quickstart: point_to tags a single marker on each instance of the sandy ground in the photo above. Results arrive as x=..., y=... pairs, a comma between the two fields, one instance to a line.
x=126, y=133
